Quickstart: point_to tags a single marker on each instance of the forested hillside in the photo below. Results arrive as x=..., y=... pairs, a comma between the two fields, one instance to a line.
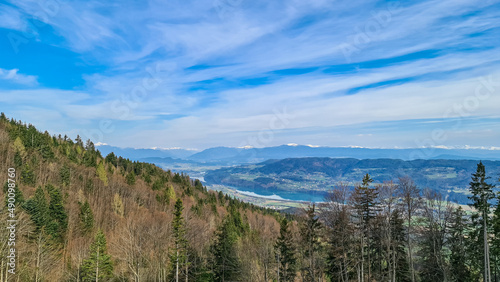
x=84, y=217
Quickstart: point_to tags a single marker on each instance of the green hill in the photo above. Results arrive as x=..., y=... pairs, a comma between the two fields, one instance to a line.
x=450, y=177
x=69, y=201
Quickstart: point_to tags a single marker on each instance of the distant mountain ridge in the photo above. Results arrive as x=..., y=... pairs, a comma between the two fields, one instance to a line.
x=256, y=155
x=235, y=156
x=450, y=177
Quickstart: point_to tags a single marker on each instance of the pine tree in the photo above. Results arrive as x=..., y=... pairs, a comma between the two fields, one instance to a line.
x=495, y=242
x=98, y=267
x=65, y=175
x=86, y=217
x=459, y=267
x=399, y=259
x=37, y=208
x=58, y=217
x=225, y=262
x=482, y=193
x=285, y=253
x=310, y=244
x=130, y=178
x=365, y=204
x=179, y=255
x=27, y=175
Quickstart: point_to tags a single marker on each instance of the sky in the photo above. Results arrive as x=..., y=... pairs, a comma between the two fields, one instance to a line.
x=200, y=74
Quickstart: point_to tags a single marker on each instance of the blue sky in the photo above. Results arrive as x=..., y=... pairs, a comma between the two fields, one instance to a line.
x=199, y=74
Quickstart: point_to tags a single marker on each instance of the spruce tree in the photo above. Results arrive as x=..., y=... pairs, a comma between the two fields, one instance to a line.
x=365, y=204
x=37, y=208
x=459, y=267
x=130, y=178
x=58, y=217
x=86, y=217
x=482, y=194
x=98, y=267
x=399, y=254
x=310, y=244
x=179, y=255
x=285, y=253
x=225, y=262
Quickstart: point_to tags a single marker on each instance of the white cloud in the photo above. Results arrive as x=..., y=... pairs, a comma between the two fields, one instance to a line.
x=14, y=76
x=11, y=19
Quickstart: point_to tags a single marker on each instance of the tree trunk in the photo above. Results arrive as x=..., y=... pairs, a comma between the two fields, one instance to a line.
x=487, y=273
x=410, y=255
x=177, y=267
x=97, y=266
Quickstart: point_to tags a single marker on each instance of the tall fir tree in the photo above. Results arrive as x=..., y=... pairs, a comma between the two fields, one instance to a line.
x=58, y=223
x=459, y=264
x=98, y=267
x=366, y=205
x=179, y=255
x=225, y=262
x=286, y=253
x=399, y=255
x=37, y=208
x=482, y=194
x=86, y=217
x=311, y=245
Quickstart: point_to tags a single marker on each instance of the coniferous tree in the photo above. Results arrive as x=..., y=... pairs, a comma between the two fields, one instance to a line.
x=58, y=222
x=37, y=208
x=310, y=245
x=285, y=253
x=27, y=175
x=495, y=242
x=225, y=262
x=130, y=178
x=65, y=175
x=340, y=234
x=399, y=255
x=459, y=264
x=482, y=194
x=179, y=255
x=98, y=267
x=86, y=217
x=365, y=204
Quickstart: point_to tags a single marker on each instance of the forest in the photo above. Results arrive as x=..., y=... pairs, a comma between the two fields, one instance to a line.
x=81, y=216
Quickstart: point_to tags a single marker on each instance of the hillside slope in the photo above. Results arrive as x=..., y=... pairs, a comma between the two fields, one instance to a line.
x=68, y=196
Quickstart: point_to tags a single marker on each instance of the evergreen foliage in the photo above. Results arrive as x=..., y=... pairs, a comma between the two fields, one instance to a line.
x=98, y=266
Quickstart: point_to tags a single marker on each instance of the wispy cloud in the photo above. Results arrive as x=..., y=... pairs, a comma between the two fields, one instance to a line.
x=226, y=70
x=14, y=76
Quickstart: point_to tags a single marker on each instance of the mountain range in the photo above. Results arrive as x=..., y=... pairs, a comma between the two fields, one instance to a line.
x=234, y=156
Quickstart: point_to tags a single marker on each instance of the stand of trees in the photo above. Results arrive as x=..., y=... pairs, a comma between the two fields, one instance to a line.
x=85, y=217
